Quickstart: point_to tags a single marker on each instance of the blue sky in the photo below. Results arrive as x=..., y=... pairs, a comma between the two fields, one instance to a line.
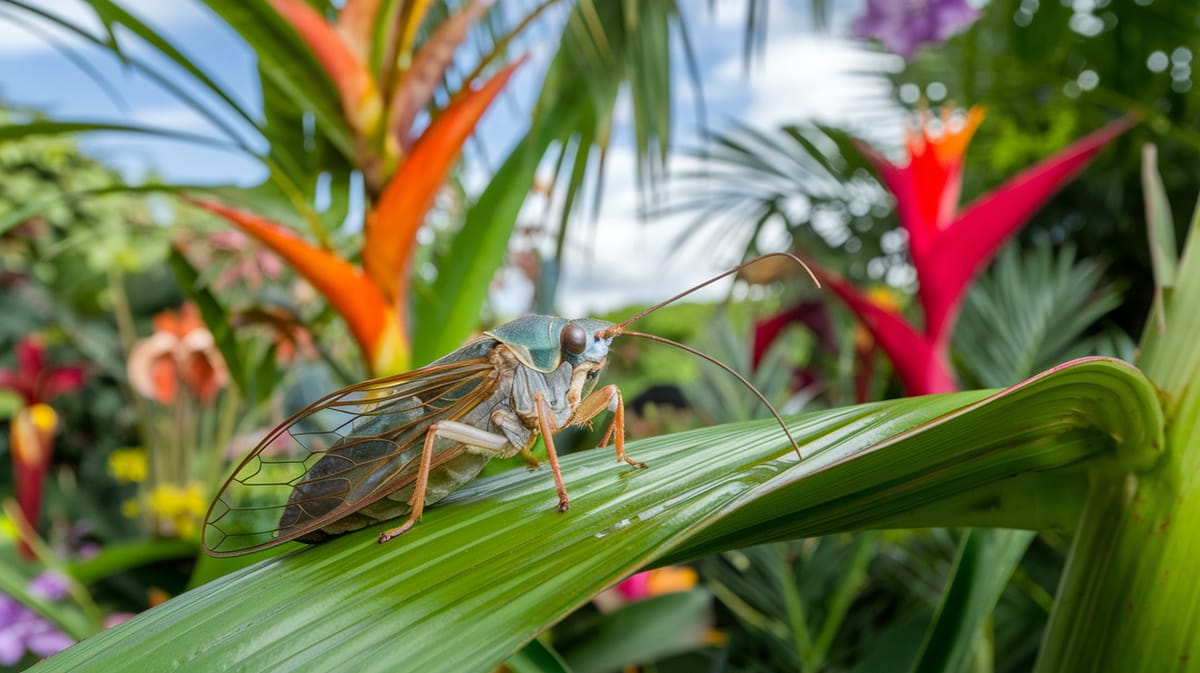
x=801, y=76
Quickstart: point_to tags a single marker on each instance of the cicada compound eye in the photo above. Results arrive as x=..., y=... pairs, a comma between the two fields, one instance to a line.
x=574, y=339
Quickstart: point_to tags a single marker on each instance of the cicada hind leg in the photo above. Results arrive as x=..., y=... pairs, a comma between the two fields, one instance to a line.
x=455, y=432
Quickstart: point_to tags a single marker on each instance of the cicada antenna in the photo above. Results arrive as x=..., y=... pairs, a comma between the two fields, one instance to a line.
x=619, y=328
x=727, y=368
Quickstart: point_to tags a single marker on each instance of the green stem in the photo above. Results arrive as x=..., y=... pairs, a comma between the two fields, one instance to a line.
x=801, y=639
x=127, y=333
x=226, y=422
x=849, y=582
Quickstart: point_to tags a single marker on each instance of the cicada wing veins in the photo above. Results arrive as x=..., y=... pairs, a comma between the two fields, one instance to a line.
x=338, y=455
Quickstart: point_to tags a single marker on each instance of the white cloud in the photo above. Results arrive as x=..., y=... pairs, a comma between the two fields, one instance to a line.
x=620, y=258
x=807, y=77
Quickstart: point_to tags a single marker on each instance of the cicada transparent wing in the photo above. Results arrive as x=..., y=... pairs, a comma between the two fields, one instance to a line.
x=341, y=454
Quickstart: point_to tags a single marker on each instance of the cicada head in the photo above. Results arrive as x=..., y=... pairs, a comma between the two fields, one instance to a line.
x=544, y=342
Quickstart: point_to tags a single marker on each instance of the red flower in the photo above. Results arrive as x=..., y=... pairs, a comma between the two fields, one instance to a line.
x=33, y=380
x=34, y=425
x=949, y=247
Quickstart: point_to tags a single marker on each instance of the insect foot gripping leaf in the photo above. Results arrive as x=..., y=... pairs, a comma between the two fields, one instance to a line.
x=385, y=448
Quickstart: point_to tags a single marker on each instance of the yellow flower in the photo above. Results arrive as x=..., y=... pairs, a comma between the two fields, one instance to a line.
x=128, y=465
x=178, y=509
x=8, y=529
x=130, y=508
x=670, y=579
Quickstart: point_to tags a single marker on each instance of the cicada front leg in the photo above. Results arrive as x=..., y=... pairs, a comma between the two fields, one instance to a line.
x=607, y=398
x=548, y=428
x=455, y=432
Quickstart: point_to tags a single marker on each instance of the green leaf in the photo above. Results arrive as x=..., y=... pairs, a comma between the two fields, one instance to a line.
x=1160, y=230
x=214, y=314
x=449, y=311
x=1170, y=357
x=643, y=632
x=1028, y=312
x=986, y=560
x=536, y=657
x=495, y=564
x=46, y=127
x=113, y=14
x=119, y=557
x=287, y=62
x=110, y=15
x=34, y=208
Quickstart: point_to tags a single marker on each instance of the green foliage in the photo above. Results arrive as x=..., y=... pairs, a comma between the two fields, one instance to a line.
x=1085, y=450
x=498, y=547
x=810, y=178
x=1029, y=312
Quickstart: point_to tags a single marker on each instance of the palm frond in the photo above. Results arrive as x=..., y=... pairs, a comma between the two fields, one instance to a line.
x=1028, y=313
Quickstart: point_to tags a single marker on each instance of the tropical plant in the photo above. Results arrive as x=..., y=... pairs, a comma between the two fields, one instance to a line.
x=1093, y=448
x=495, y=565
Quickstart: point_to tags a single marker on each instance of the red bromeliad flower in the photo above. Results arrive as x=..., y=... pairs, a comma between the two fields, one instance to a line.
x=34, y=425
x=33, y=380
x=949, y=247
x=403, y=172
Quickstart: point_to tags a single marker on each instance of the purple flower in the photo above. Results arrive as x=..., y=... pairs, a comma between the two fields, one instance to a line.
x=49, y=586
x=904, y=25
x=23, y=630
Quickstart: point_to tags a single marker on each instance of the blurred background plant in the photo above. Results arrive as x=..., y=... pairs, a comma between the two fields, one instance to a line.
x=184, y=319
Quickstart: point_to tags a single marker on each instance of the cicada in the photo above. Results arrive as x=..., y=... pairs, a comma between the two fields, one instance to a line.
x=387, y=448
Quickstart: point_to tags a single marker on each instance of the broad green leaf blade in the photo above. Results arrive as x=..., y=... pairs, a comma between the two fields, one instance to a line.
x=494, y=565
x=945, y=474
x=986, y=560
x=119, y=557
